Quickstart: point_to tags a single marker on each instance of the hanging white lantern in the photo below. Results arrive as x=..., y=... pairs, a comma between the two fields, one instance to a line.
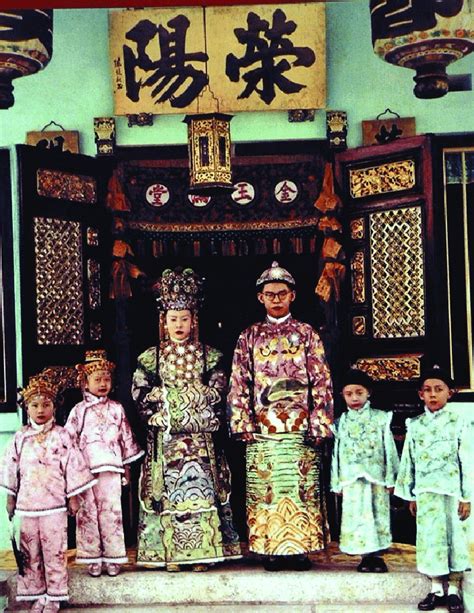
x=26, y=46
x=425, y=39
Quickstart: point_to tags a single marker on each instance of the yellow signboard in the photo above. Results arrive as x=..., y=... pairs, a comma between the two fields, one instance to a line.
x=226, y=59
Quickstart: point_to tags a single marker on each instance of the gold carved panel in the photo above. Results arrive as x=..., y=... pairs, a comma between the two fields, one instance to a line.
x=357, y=228
x=382, y=179
x=359, y=326
x=396, y=368
x=66, y=186
x=358, y=277
x=397, y=273
x=59, y=294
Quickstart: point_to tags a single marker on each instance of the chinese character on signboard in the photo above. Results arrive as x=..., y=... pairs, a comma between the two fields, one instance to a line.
x=243, y=194
x=157, y=195
x=158, y=60
x=286, y=192
x=264, y=58
x=64, y=140
x=199, y=202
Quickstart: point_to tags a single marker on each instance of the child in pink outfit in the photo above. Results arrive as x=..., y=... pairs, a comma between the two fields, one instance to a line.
x=103, y=434
x=42, y=468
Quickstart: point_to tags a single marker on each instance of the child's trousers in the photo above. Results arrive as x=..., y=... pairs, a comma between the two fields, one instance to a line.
x=365, y=525
x=99, y=532
x=441, y=540
x=44, y=539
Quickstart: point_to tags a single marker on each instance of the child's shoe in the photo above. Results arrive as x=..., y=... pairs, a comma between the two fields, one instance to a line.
x=173, y=568
x=52, y=606
x=378, y=565
x=112, y=569
x=200, y=568
x=455, y=604
x=431, y=601
x=95, y=570
x=365, y=565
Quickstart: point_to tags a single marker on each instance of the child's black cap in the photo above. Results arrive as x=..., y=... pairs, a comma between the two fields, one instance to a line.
x=354, y=376
x=435, y=372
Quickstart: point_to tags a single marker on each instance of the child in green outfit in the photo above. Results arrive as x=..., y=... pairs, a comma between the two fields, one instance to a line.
x=435, y=476
x=363, y=470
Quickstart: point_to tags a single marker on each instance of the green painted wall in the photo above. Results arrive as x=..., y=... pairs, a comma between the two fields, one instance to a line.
x=75, y=87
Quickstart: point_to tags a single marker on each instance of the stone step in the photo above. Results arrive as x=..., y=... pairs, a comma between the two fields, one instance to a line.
x=237, y=608
x=241, y=586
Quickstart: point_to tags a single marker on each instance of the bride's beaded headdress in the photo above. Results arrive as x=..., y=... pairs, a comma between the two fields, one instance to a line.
x=178, y=290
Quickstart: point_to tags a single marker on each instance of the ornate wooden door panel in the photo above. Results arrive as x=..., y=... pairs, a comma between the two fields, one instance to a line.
x=64, y=253
x=410, y=219
x=388, y=198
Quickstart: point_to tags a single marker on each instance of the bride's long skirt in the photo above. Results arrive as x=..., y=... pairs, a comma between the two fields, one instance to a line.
x=191, y=521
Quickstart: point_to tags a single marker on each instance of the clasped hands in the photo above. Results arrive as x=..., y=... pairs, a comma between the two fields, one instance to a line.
x=464, y=509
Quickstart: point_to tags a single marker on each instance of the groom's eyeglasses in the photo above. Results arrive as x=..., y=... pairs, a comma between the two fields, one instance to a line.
x=281, y=295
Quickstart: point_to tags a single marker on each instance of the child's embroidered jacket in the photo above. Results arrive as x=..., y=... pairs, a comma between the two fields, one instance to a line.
x=437, y=471
x=43, y=468
x=437, y=456
x=363, y=449
x=103, y=434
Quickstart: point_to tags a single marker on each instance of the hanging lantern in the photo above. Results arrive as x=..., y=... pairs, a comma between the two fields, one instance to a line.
x=424, y=39
x=209, y=153
x=26, y=46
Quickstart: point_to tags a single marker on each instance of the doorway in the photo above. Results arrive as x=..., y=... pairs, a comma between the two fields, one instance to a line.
x=230, y=306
